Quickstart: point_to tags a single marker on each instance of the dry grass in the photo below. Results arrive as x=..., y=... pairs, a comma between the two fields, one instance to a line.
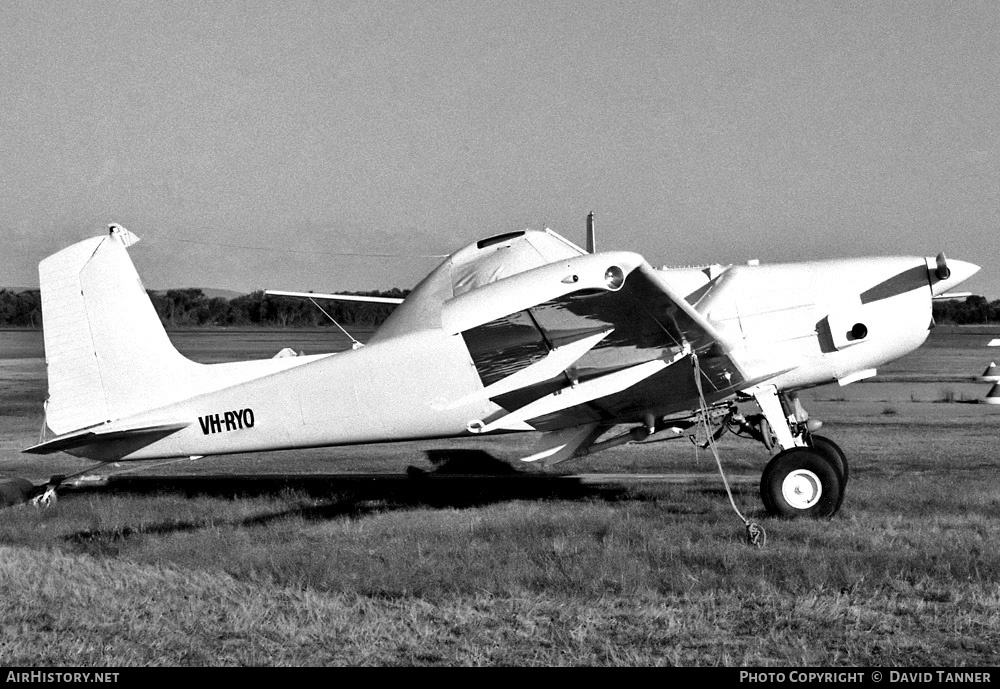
x=908, y=574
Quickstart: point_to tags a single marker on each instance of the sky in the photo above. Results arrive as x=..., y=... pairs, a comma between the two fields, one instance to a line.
x=342, y=145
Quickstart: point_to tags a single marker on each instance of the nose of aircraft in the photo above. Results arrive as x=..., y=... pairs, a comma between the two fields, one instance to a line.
x=960, y=271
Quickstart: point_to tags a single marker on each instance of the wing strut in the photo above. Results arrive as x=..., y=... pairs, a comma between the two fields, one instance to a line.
x=354, y=343
x=309, y=295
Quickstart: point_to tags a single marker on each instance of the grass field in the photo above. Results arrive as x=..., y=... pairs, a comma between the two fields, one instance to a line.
x=408, y=568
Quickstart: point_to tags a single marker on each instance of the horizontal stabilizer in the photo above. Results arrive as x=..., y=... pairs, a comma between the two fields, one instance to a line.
x=106, y=433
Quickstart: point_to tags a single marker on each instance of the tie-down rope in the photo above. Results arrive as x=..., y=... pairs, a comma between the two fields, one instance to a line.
x=755, y=532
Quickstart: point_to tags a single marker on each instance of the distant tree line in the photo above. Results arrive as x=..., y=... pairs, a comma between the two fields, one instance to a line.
x=974, y=309
x=21, y=309
x=179, y=308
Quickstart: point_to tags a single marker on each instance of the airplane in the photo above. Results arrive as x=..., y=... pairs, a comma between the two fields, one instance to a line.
x=522, y=331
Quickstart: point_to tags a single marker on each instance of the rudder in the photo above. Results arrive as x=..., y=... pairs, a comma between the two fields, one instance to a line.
x=106, y=351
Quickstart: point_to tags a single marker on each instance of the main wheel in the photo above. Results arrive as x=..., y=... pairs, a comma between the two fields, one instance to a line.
x=832, y=452
x=801, y=482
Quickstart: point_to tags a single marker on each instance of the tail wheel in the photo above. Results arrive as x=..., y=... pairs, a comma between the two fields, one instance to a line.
x=832, y=452
x=801, y=482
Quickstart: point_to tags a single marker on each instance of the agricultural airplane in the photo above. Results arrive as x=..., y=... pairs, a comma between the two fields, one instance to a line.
x=522, y=331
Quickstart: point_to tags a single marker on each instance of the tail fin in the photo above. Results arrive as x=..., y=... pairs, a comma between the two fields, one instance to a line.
x=107, y=353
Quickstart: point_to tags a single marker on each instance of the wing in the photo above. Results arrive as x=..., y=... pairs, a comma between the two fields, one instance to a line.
x=334, y=297
x=591, y=339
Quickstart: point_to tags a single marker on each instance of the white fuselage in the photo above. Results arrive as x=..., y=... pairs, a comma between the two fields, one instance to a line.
x=791, y=325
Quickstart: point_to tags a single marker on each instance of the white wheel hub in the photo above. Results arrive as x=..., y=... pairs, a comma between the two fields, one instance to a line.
x=801, y=489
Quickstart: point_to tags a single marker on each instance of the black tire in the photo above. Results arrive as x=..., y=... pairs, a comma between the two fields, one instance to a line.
x=832, y=452
x=801, y=482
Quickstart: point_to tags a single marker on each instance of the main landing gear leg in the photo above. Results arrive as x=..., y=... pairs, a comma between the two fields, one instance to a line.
x=774, y=412
x=807, y=477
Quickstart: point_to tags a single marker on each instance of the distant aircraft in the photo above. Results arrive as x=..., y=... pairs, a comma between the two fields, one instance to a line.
x=522, y=331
